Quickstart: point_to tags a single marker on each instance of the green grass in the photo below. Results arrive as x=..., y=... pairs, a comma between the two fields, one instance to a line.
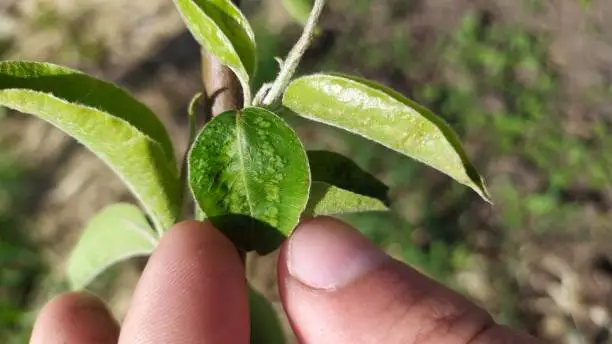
x=20, y=264
x=493, y=82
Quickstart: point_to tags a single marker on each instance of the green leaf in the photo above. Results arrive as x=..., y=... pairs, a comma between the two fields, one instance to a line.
x=265, y=324
x=326, y=199
x=299, y=9
x=220, y=27
x=249, y=173
x=118, y=232
x=122, y=132
x=340, y=186
x=386, y=117
x=338, y=170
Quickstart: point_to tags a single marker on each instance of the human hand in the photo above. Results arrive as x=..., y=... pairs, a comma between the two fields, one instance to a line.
x=336, y=287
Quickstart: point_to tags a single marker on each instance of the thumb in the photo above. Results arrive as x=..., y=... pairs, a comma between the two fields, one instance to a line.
x=339, y=288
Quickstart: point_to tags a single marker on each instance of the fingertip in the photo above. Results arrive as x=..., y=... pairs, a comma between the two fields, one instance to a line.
x=192, y=289
x=326, y=253
x=76, y=317
x=337, y=287
x=192, y=233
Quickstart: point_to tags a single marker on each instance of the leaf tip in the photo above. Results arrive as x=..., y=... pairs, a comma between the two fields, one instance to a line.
x=483, y=192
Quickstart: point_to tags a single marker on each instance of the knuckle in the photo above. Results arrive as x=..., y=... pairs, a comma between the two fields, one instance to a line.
x=439, y=320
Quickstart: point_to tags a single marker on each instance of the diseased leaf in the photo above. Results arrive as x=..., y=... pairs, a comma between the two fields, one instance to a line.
x=384, y=116
x=118, y=232
x=265, y=324
x=220, y=27
x=249, y=173
x=122, y=132
x=299, y=9
x=326, y=199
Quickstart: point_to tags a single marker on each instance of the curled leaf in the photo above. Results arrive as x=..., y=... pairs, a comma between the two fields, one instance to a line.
x=386, y=117
x=121, y=131
x=326, y=199
x=220, y=27
x=336, y=169
x=340, y=186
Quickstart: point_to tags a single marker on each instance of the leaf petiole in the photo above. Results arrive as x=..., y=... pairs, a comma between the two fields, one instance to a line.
x=191, y=117
x=295, y=56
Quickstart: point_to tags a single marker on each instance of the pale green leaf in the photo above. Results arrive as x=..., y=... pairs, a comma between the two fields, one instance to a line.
x=299, y=9
x=384, y=116
x=124, y=133
x=326, y=199
x=265, y=324
x=198, y=213
x=249, y=173
x=119, y=232
x=220, y=27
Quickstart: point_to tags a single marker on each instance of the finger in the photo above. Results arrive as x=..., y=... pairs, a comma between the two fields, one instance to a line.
x=339, y=288
x=76, y=318
x=193, y=290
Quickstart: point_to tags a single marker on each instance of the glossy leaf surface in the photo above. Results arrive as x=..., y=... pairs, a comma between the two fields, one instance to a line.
x=124, y=133
x=220, y=27
x=119, y=232
x=386, y=117
x=249, y=173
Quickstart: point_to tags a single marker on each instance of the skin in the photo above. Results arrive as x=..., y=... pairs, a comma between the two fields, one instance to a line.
x=336, y=287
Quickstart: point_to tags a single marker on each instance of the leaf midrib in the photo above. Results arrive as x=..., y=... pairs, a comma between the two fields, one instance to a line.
x=143, y=232
x=158, y=217
x=239, y=137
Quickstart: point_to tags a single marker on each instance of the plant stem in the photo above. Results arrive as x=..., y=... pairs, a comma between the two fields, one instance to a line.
x=223, y=92
x=295, y=55
x=221, y=86
x=191, y=113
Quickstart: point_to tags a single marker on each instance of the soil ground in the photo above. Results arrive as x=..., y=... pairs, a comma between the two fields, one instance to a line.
x=559, y=282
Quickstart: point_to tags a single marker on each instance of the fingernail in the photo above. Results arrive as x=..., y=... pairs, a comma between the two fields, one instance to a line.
x=325, y=253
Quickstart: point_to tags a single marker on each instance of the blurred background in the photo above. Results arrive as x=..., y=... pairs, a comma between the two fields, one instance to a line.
x=526, y=83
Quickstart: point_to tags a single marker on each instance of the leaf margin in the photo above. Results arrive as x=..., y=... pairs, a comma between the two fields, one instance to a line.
x=477, y=182
x=199, y=208
x=91, y=225
x=163, y=215
x=243, y=72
